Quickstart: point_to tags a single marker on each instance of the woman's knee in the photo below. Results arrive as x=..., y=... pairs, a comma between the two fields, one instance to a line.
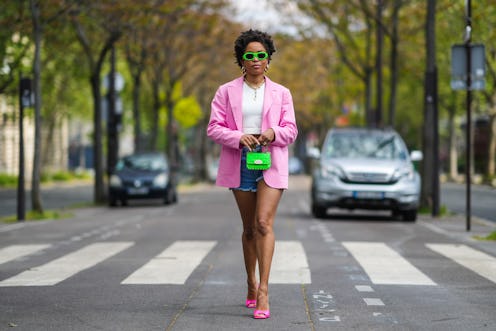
x=264, y=226
x=249, y=233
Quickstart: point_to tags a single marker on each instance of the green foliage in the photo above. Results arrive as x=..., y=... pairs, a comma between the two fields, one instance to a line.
x=489, y=237
x=8, y=180
x=36, y=216
x=187, y=112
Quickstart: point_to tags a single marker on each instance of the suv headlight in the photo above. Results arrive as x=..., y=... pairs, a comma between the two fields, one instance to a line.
x=331, y=171
x=115, y=181
x=407, y=173
x=161, y=181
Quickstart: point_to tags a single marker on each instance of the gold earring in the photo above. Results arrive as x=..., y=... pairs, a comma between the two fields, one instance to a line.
x=266, y=68
x=243, y=70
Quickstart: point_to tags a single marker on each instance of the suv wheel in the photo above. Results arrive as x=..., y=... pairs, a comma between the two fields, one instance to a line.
x=410, y=215
x=318, y=212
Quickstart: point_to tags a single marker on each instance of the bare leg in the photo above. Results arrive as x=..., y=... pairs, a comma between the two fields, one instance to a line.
x=267, y=201
x=247, y=206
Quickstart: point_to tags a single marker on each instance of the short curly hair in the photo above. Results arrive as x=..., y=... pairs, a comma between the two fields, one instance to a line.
x=249, y=36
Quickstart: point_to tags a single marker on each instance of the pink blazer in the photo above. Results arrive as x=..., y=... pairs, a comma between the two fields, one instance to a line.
x=226, y=128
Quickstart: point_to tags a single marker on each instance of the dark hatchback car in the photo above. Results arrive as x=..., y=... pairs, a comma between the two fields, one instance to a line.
x=142, y=176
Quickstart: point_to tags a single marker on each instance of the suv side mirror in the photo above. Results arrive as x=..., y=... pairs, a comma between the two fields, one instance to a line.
x=313, y=153
x=416, y=156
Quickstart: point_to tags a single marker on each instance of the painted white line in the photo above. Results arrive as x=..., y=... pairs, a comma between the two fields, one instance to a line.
x=66, y=266
x=385, y=266
x=16, y=251
x=477, y=261
x=364, y=288
x=174, y=265
x=289, y=264
x=373, y=302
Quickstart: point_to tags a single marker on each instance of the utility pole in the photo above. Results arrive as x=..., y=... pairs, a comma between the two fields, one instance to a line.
x=468, y=131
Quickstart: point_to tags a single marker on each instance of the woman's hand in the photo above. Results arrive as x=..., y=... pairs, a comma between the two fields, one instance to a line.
x=249, y=141
x=266, y=137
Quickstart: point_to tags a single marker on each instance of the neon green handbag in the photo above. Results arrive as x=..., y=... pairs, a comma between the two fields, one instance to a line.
x=258, y=160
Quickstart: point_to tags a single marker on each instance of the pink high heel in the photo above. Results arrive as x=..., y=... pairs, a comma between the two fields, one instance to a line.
x=261, y=314
x=251, y=303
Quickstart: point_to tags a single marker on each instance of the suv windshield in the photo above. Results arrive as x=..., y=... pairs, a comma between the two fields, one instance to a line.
x=142, y=162
x=355, y=145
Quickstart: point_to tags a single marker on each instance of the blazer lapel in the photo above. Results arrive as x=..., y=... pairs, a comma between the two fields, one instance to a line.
x=269, y=90
x=235, y=92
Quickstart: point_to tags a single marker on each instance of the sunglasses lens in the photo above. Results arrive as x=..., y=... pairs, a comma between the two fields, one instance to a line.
x=262, y=55
x=249, y=56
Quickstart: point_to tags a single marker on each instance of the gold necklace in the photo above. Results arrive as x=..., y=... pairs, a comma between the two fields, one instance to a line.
x=255, y=89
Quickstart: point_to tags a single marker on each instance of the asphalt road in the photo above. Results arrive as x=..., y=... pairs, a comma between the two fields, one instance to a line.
x=179, y=267
x=60, y=196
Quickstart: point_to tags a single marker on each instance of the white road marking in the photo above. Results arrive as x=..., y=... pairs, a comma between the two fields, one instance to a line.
x=289, y=264
x=174, y=265
x=385, y=266
x=364, y=288
x=16, y=251
x=66, y=266
x=479, y=262
x=373, y=302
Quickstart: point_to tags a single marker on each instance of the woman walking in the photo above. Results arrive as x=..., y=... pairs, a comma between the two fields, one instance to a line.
x=248, y=113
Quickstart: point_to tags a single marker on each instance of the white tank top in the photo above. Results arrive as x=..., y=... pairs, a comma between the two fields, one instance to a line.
x=252, y=107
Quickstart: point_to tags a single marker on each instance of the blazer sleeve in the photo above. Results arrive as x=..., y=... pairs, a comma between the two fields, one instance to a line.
x=221, y=126
x=286, y=131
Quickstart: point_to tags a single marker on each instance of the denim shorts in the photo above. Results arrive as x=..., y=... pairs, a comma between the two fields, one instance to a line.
x=249, y=178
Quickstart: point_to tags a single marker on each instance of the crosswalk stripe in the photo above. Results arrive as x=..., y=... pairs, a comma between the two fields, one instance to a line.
x=174, y=265
x=479, y=262
x=289, y=264
x=385, y=266
x=13, y=252
x=66, y=266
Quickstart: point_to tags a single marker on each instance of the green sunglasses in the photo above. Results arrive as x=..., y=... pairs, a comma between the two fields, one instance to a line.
x=250, y=56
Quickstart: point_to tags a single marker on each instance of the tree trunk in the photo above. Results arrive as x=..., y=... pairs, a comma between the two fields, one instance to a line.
x=378, y=123
x=99, y=188
x=492, y=144
x=136, y=112
x=429, y=165
x=36, y=176
x=393, y=85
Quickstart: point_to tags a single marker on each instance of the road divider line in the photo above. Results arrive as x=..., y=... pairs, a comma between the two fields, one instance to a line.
x=477, y=261
x=289, y=264
x=385, y=266
x=13, y=252
x=174, y=265
x=66, y=266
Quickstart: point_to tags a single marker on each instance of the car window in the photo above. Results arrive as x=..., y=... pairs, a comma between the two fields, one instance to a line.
x=364, y=145
x=142, y=162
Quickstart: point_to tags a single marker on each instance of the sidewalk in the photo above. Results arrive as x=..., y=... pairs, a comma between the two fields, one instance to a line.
x=455, y=226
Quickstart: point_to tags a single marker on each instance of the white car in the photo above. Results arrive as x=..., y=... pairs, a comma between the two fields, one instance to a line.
x=363, y=168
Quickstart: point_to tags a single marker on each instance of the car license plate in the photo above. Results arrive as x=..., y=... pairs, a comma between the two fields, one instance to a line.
x=368, y=195
x=137, y=191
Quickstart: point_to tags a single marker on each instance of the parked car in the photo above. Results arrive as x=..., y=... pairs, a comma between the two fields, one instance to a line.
x=295, y=165
x=363, y=168
x=142, y=176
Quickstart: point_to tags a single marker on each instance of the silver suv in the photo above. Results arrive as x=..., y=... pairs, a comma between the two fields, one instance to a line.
x=366, y=169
